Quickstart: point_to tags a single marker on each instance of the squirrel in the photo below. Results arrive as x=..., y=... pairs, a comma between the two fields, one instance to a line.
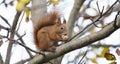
x=48, y=31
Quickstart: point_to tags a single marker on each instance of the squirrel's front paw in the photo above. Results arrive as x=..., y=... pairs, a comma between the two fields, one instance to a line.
x=52, y=49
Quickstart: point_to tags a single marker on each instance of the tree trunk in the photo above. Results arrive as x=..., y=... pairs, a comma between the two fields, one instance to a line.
x=38, y=10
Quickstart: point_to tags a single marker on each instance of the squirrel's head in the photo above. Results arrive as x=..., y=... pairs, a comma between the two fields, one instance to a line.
x=62, y=29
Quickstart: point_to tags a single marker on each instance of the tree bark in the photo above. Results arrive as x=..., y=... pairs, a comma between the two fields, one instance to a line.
x=38, y=10
x=73, y=15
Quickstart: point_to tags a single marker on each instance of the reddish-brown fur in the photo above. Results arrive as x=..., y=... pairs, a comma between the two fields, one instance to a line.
x=48, y=31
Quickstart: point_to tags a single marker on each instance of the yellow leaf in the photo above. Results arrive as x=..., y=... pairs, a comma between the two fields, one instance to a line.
x=103, y=24
x=113, y=63
x=27, y=19
x=25, y=1
x=92, y=30
x=105, y=50
x=94, y=60
x=50, y=0
x=109, y=56
x=55, y=3
x=18, y=0
x=20, y=6
x=27, y=14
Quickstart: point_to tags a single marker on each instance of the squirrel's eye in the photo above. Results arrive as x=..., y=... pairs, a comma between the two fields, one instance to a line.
x=61, y=28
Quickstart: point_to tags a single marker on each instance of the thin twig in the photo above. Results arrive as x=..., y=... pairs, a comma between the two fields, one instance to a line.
x=5, y=28
x=20, y=22
x=5, y=20
x=6, y=4
x=21, y=36
x=116, y=19
x=1, y=36
x=110, y=8
x=29, y=48
x=22, y=41
x=8, y=33
x=103, y=45
x=98, y=7
x=102, y=10
x=23, y=45
x=100, y=13
x=83, y=56
x=94, y=23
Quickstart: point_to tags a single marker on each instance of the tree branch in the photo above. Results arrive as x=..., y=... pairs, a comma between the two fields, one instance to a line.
x=73, y=15
x=23, y=61
x=76, y=44
x=5, y=20
x=103, y=45
x=7, y=61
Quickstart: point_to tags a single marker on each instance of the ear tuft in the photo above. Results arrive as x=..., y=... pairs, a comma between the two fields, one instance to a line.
x=58, y=21
x=64, y=21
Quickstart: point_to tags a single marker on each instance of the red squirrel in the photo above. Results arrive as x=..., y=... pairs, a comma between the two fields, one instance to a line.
x=48, y=31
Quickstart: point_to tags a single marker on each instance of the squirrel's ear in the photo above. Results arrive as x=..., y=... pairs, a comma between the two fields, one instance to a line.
x=64, y=21
x=58, y=21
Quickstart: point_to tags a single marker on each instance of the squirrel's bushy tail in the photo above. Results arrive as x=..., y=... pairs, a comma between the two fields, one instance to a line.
x=49, y=19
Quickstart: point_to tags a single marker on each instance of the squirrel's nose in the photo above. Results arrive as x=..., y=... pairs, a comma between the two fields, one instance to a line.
x=65, y=34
